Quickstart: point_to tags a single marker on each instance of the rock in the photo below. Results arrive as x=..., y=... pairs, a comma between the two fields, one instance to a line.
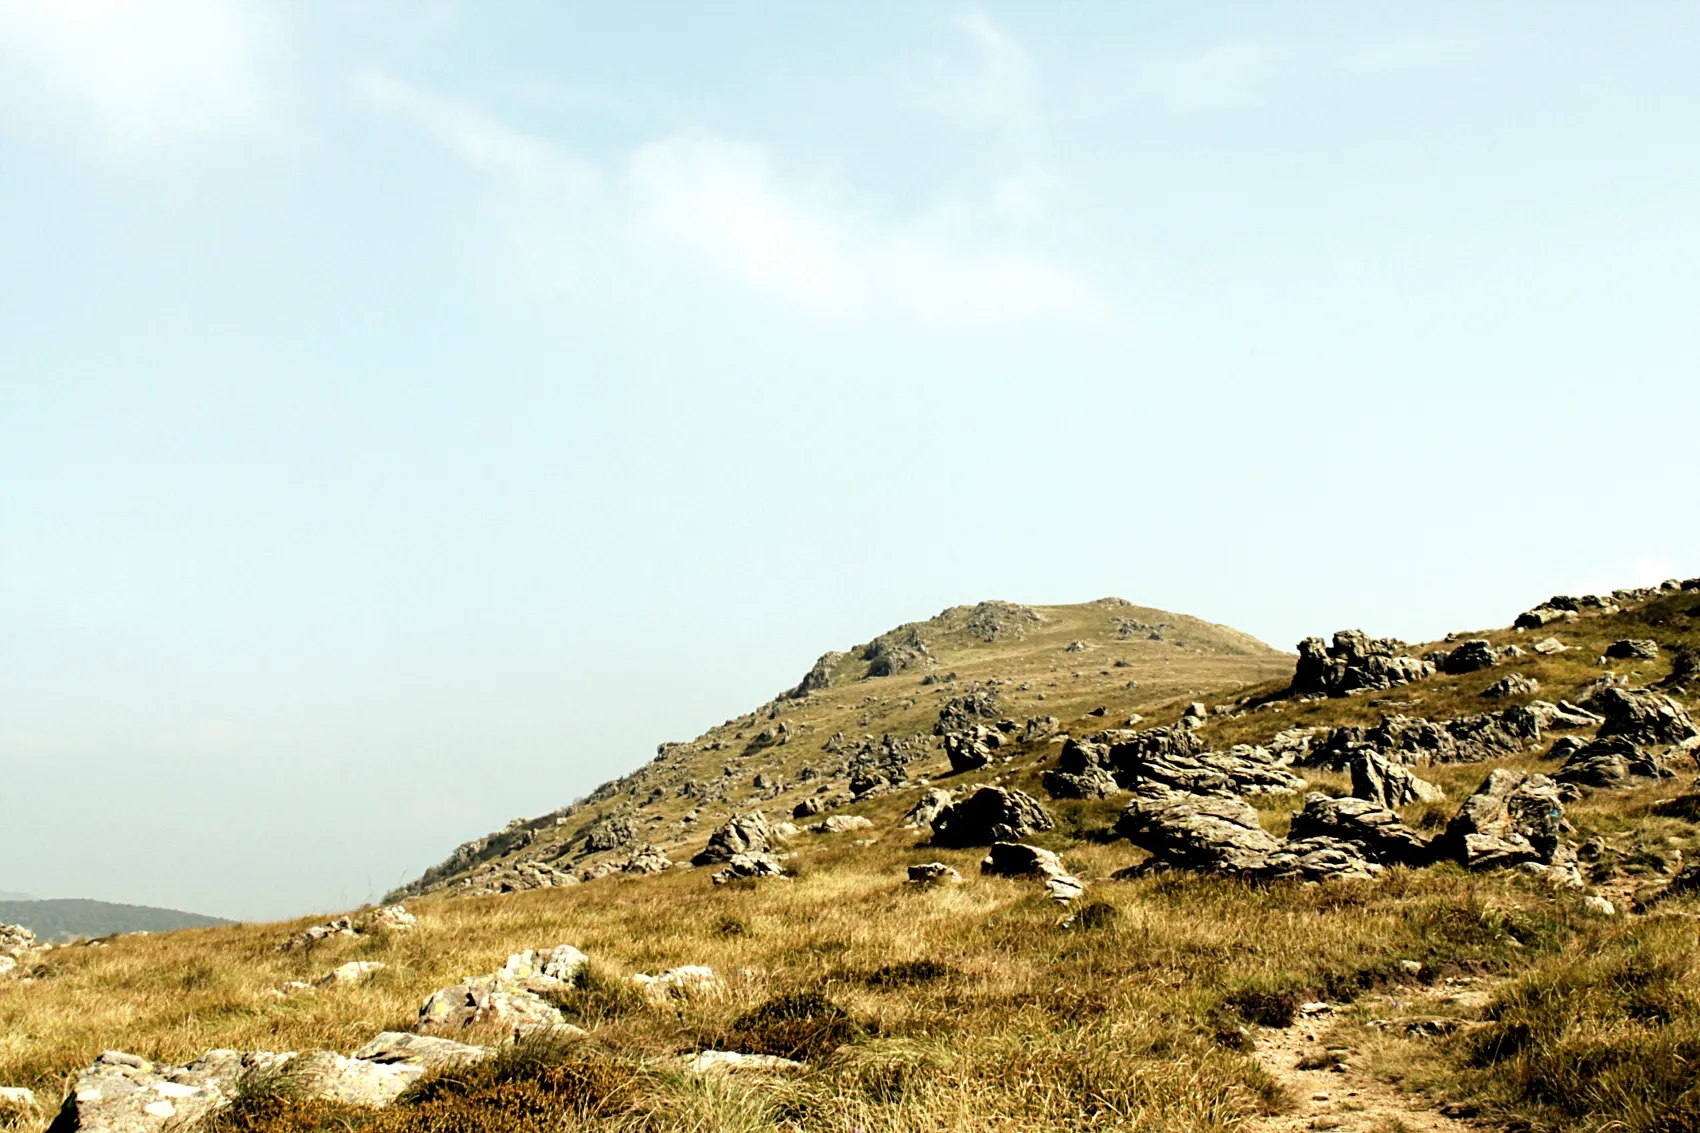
x=1291, y=745
x=1093, y=783
x=1542, y=616
x=1212, y=834
x=1548, y=646
x=903, y=648
x=741, y=834
x=1377, y=832
x=16, y=1099
x=1610, y=762
x=1017, y=859
x=329, y=1076
x=1241, y=770
x=927, y=807
x=1642, y=715
x=647, y=859
x=1039, y=728
x=352, y=972
x=1599, y=906
x=686, y=982
x=808, y=808
x=1563, y=716
x=819, y=676
x=933, y=873
x=842, y=823
x=609, y=834
x=1196, y=711
x=1512, y=684
x=1414, y=741
x=990, y=814
x=748, y=867
x=1076, y=646
x=1470, y=657
x=15, y=941
x=1321, y=859
x=387, y=918
x=722, y=1061
x=1565, y=747
x=1514, y=817
x=969, y=751
x=1388, y=784
x=507, y=996
x=962, y=713
x=1353, y=663
x=427, y=1051
x=1633, y=649
x=1685, y=668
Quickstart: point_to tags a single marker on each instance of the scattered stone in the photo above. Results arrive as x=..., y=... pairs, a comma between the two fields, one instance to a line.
x=741, y=834
x=934, y=873
x=1642, y=715
x=1610, y=762
x=1354, y=662
x=1513, y=817
x=1076, y=646
x=1512, y=684
x=723, y=1061
x=1388, y=784
x=1212, y=834
x=748, y=867
x=1548, y=646
x=352, y=972
x=842, y=823
x=1017, y=859
x=990, y=814
x=1542, y=616
x=647, y=859
x=687, y=982
x=1633, y=649
x=1415, y=741
x=507, y=996
x=388, y=918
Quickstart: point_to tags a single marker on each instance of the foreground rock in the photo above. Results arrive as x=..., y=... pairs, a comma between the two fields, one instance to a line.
x=991, y=814
x=1642, y=716
x=1388, y=784
x=15, y=941
x=741, y=834
x=1611, y=762
x=1513, y=818
x=509, y=996
x=1355, y=662
x=1376, y=831
x=749, y=867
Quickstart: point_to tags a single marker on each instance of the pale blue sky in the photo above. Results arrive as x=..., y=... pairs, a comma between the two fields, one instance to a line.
x=412, y=413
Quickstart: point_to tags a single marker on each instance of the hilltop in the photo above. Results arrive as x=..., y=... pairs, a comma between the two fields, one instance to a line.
x=1374, y=886
x=860, y=722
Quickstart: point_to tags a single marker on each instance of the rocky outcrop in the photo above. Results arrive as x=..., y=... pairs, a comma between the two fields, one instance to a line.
x=932, y=801
x=509, y=996
x=1355, y=662
x=1415, y=741
x=1212, y=834
x=1375, y=830
x=387, y=918
x=609, y=834
x=1633, y=649
x=1611, y=762
x=1000, y=621
x=740, y=834
x=1470, y=657
x=647, y=859
x=1378, y=780
x=962, y=713
x=890, y=653
x=990, y=814
x=819, y=676
x=1642, y=716
x=1512, y=684
x=15, y=941
x=1513, y=818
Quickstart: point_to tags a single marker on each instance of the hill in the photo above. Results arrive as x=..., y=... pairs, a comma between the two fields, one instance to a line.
x=71, y=918
x=1381, y=887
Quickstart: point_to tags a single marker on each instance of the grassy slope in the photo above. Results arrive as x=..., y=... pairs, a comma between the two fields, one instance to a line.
x=1017, y=1023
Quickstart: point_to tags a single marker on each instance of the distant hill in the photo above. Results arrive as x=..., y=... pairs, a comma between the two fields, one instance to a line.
x=72, y=917
x=8, y=895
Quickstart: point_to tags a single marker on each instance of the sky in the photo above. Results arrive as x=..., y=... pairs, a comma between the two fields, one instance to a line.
x=412, y=413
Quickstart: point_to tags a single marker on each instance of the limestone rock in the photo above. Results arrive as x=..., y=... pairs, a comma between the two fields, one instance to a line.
x=842, y=823
x=1017, y=859
x=1470, y=657
x=724, y=1061
x=1548, y=646
x=1633, y=649
x=427, y=1051
x=961, y=713
x=932, y=801
x=1563, y=716
x=748, y=867
x=741, y=834
x=1415, y=741
x=685, y=982
x=507, y=996
x=1093, y=783
x=1611, y=762
x=352, y=972
x=1642, y=716
x=1213, y=834
x=1354, y=662
x=819, y=676
x=1321, y=859
x=1377, y=832
x=647, y=859
x=1512, y=818
x=991, y=814
x=1388, y=784
x=609, y=834
x=933, y=873
x=1512, y=684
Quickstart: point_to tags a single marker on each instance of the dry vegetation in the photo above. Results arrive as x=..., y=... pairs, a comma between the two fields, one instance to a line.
x=970, y=1007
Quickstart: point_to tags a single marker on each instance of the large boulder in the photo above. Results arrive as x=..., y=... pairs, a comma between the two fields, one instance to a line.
x=1642, y=716
x=1174, y=758
x=932, y=801
x=1470, y=657
x=1210, y=833
x=1322, y=859
x=1017, y=859
x=740, y=834
x=1353, y=663
x=1514, y=817
x=609, y=834
x=972, y=748
x=960, y=713
x=1388, y=784
x=1093, y=783
x=990, y=814
x=647, y=858
x=1377, y=832
x=1633, y=649
x=748, y=867
x=1418, y=742
x=1611, y=762
x=509, y=996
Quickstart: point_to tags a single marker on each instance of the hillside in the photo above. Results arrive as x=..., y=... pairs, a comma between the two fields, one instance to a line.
x=1375, y=887
x=68, y=918
x=810, y=741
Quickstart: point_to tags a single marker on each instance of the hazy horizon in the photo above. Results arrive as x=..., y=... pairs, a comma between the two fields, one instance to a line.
x=410, y=415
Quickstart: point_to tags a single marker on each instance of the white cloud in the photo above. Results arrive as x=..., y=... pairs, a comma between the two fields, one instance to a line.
x=144, y=74
x=728, y=209
x=994, y=84
x=1225, y=76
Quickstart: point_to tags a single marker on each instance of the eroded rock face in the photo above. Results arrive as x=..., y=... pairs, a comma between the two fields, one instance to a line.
x=1353, y=663
x=1470, y=657
x=741, y=834
x=1375, y=830
x=1512, y=684
x=1642, y=716
x=819, y=677
x=1514, y=817
x=1633, y=649
x=1388, y=784
x=932, y=801
x=1417, y=742
x=990, y=814
x=1212, y=834
x=508, y=996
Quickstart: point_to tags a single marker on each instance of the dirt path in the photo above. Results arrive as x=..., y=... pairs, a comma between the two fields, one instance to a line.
x=1337, y=1093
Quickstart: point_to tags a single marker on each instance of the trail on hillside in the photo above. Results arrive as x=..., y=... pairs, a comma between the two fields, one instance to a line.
x=1336, y=1091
